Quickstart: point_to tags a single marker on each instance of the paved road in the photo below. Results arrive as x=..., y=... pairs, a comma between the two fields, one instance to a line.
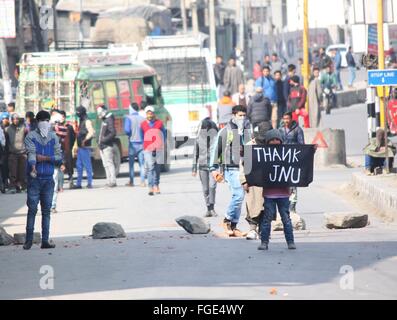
x=158, y=260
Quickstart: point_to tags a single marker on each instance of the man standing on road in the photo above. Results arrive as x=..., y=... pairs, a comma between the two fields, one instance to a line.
x=153, y=136
x=201, y=159
x=233, y=77
x=15, y=135
x=226, y=153
x=297, y=101
x=132, y=127
x=106, y=139
x=84, y=138
x=281, y=102
x=351, y=64
x=315, y=93
x=292, y=133
x=219, y=71
x=338, y=66
x=259, y=108
x=44, y=152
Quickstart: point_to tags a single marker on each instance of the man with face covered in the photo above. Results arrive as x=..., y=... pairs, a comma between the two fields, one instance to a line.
x=44, y=153
x=84, y=137
x=15, y=135
x=106, y=139
x=226, y=153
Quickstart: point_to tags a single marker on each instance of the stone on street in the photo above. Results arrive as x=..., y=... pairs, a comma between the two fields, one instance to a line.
x=345, y=220
x=194, y=225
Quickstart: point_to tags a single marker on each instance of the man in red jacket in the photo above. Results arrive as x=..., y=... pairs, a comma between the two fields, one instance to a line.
x=153, y=135
x=297, y=101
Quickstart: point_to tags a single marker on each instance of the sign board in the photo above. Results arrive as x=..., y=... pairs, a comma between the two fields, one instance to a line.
x=380, y=78
x=373, y=39
x=7, y=19
x=279, y=165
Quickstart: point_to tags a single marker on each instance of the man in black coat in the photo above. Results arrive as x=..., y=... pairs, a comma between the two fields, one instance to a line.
x=259, y=108
x=106, y=140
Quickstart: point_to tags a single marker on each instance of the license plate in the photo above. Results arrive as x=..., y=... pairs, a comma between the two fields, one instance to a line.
x=193, y=116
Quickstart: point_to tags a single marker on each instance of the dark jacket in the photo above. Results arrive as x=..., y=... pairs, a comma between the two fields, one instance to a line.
x=83, y=134
x=280, y=93
x=16, y=138
x=219, y=71
x=259, y=109
x=227, y=149
x=108, y=132
x=325, y=61
x=202, y=146
x=350, y=60
x=294, y=135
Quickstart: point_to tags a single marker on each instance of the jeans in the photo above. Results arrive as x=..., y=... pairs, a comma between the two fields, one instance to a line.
x=338, y=79
x=84, y=161
x=57, y=172
x=152, y=166
x=209, y=187
x=136, y=150
x=352, y=75
x=372, y=162
x=271, y=206
x=107, y=156
x=39, y=191
x=234, y=210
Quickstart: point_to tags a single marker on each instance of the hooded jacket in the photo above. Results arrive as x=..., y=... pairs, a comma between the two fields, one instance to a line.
x=259, y=109
x=292, y=135
x=108, y=132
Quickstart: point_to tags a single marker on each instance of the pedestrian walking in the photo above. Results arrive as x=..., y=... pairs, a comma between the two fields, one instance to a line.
x=201, y=159
x=15, y=135
x=351, y=64
x=154, y=136
x=106, y=141
x=225, y=162
x=276, y=198
x=297, y=101
x=315, y=93
x=281, y=102
x=292, y=133
x=254, y=201
x=219, y=72
x=233, y=77
x=337, y=61
x=84, y=139
x=259, y=108
x=132, y=127
x=44, y=152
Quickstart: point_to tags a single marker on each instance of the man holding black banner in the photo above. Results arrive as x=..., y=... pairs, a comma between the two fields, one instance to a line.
x=292, y=134
x=226, y=153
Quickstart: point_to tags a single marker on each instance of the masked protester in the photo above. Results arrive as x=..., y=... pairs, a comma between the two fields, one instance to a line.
x=254, y=195
x=106, y=140
x=44, y=153
x=15, y=135
x=84, y=139
x=227, y=151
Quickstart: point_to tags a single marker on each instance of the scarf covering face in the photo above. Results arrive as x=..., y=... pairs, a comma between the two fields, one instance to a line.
x=44, y=128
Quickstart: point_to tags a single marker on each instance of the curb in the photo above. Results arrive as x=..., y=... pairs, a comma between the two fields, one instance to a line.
x=348, y=98
x=380, y=191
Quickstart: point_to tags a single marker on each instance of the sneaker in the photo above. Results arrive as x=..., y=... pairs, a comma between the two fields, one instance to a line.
x=263, y=246
x=156, y=190
x=291, y=246
x=237, y=233
x=151, y=193
x=252, y=235
x=47, y=245
x=53, y=210
x=228, y=228
x=27, y=245
x=213, y=213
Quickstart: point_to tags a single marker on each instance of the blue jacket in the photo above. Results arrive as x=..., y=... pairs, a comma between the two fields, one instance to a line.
x=37, y=145
x=269, y=87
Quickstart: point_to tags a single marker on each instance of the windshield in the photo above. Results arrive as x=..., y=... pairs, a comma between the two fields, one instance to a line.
x=180, y=71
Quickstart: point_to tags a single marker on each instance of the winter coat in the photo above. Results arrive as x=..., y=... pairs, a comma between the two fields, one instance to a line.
x=219, y=72
x=269, y=87
x=315, y=94
x=232, y=79
x=107, y=133
x=294, y=135
x=259, y=109
x=16, y=138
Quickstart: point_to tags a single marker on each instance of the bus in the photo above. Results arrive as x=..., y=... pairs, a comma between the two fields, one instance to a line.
x=187, y=80
x=67, y=79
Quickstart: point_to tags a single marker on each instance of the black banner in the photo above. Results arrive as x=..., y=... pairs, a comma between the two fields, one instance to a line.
x=279, y=165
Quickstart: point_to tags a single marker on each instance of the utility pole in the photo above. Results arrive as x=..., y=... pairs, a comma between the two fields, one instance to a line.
x=5, y=72
x=305, y=71
x=212, y=29
x=183, y=15
x=193, y=8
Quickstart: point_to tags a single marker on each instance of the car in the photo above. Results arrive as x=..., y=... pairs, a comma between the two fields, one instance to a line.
x=342, y=48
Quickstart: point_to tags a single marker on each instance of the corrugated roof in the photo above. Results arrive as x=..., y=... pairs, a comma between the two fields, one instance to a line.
x=96, y=6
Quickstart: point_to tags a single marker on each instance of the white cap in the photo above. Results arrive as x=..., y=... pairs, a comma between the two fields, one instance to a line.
x=149, y=108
